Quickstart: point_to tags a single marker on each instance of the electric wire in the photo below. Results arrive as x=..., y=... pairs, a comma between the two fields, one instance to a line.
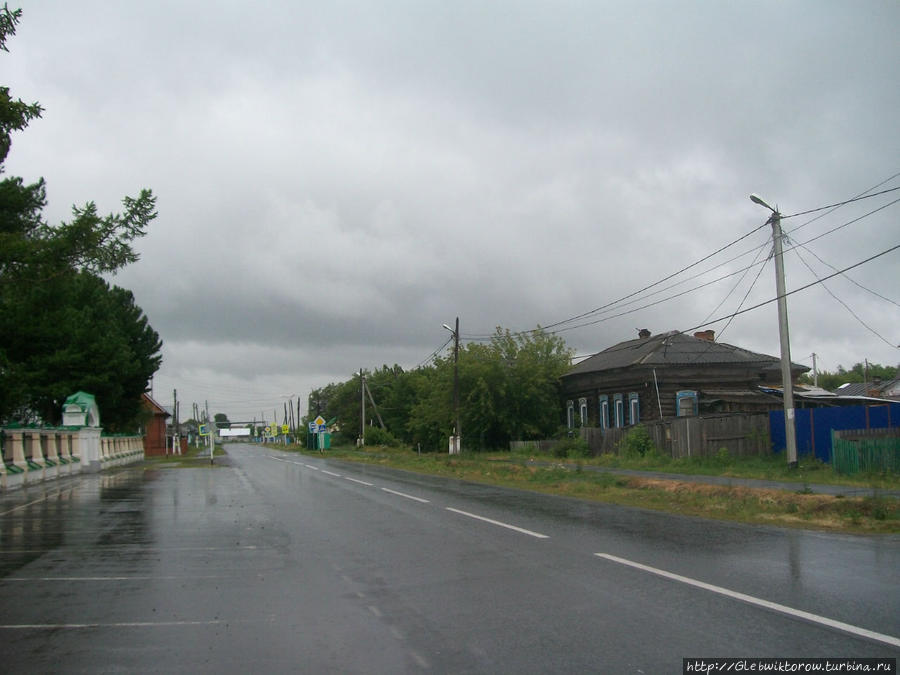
x=844, y=304
x=798, y=290
x=847, y=201
x=611, y=306
x=630, y=295
x=850, y=279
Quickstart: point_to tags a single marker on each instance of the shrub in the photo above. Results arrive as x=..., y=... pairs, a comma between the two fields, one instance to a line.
x=637, y=443
x=379, y=436
x=572, y=446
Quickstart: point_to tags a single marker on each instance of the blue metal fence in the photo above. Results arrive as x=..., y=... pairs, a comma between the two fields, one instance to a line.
x=814, y=425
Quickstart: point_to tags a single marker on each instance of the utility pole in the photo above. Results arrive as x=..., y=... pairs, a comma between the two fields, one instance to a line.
x=174, y=421
x=211, y=430
x=362, y=407
x=815, y=371
x=455, y=439
x=783, y=335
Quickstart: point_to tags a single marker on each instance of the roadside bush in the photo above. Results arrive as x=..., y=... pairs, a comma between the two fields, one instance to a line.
x=379, y=436
x=637, y=443
x=571, y=446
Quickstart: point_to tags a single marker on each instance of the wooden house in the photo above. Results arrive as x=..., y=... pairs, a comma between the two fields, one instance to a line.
x=669, y=375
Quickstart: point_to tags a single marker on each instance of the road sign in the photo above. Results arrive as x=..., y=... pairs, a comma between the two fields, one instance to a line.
x=313, y=427
x=204, y=430
x=268, y=431
x=285, y=429
x=321, y=427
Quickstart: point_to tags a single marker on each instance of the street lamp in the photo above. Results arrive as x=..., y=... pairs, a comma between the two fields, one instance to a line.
x=455, y=439
x=784, y=337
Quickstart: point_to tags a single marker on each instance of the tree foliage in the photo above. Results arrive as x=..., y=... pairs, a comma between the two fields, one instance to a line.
x=860, y=372
x=508, y=390
x=64, y=328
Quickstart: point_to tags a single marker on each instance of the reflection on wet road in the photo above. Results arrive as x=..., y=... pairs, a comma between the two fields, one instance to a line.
x=284, y=563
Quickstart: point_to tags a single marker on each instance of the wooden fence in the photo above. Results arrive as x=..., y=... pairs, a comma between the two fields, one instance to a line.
x=740, y=435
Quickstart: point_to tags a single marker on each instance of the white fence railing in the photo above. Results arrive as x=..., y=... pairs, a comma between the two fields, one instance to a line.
x=32, y=455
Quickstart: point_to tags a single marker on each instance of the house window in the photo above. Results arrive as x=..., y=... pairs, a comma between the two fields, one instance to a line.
x=634, y=408
x=604, y=411
x=619, y=409
x=570, y=414
x=582, y=411
x=686, y=403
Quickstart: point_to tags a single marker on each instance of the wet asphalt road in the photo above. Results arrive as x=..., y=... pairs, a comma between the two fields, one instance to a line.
x=285, y=563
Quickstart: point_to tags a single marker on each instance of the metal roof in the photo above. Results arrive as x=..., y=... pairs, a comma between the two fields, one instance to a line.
x=673, y=348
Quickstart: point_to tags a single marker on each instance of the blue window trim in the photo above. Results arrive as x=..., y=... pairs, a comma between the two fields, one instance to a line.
x=603, y=411
x=634, y=408
x=570, y=414
x=583, y=411
x=686, y=395
x=619, y=410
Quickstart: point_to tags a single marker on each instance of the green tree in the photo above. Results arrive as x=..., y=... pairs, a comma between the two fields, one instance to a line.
x=64, y=328
x=87, y=336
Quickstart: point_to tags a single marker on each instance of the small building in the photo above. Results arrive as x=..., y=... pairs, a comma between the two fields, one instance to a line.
x=669, y=375
x=155, y=441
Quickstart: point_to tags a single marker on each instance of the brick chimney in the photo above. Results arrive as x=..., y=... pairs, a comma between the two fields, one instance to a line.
x=709, y=335
x=643, y=333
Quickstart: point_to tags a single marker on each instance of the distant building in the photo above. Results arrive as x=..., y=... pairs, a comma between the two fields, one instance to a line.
x=669, y=375
x=155, y=442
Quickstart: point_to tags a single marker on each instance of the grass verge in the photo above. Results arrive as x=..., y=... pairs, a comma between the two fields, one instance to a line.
x=789, y=508
x=194, y=458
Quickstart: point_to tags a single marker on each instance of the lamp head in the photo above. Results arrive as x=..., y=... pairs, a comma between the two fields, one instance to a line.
x=756, y=199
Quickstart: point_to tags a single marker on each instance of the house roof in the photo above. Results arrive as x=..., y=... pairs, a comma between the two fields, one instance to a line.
x=154, y=406
x=673, y=348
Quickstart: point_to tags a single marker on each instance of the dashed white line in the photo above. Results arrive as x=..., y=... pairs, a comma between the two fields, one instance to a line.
x=361, y=482
x=401, y=494
x=530, y=533
x=310, y=466
x=331, y=473
x=759, y=602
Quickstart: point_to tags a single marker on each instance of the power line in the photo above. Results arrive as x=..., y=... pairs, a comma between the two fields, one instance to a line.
x=797, y=290
x=850, y=279
x=845, y=305
x=434, y=354
x=847, y=201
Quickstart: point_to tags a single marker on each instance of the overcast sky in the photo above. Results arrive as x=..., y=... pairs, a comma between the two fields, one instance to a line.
x=335, y=180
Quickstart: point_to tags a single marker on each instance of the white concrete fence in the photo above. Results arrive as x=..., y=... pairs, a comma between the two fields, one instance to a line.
x=32, y=455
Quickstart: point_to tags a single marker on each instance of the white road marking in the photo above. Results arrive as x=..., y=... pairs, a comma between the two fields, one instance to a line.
x=310, y=466
x=400, y=494
x=331, y=473
x=783, y=609
x=361, y=482
x=144, y=578
x=537, y=535
x=130, y=624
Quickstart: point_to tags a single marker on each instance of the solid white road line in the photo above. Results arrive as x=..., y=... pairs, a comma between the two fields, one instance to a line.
x=400, y=494
x=783, y=609
x=537, y=535
x=145, y=578
x=131, y=624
